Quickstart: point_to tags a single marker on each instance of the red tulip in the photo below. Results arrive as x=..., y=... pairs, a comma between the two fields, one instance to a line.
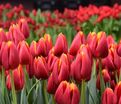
x=24, y=28
x=18, y=77
x=119, y=49
x=40, y=68
x=2, y=35
x=98, y=44
x=61, y=45
x=24, y=53
x=109, y=97
x=33, y=48
x=67, y=93
x=76, y=43
x=81, y=67
x=9, y=55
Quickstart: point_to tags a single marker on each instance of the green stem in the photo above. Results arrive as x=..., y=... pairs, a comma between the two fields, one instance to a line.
x=13, y=88
x=53, y=100
x=102, y=84
x=83, y=92
x=3, y=82
x=44, y=93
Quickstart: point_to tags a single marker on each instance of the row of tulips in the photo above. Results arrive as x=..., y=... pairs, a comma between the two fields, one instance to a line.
x=86, y=72
x=86, y=19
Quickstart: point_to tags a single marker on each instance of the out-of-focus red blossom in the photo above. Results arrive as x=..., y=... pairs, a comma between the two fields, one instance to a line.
x=81, y=67
x=24, y=28
x=18, y=77
x=24, y=53
x=98, y=44
x=108, y=97
x=119, y=49
x=33, y=48
x=2, y=36
x=61, y=45
x=40, y=68
x=112, y=61
x=9, y=55
x=106, y=78
x=30, y=67
x=117, y=91
x=15, y=34
x=77, y=41
x=61, y=69
x=8, y=6
x=67, y=93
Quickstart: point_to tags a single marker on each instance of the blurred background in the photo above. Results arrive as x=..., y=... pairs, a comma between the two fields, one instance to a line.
x=59, y=4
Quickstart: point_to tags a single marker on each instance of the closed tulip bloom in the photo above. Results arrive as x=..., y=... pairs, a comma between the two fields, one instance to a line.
x=67, y=93
x=106, y=78
x=48, y=42
x=112, y=61
x=119, y=48
x=81, y=67
x=61, y=69
x=77, y=41
x=41, y=47
x=40, y=68
x=117, y=90
x=24, y=53
x=61, y=45
x=24, y=28
x=98, y=44
x=2, y=36
x=108, y=97
x=33, y=48
x=15, y=34
x=18, y=77
x=110, y=40
x=10, y=56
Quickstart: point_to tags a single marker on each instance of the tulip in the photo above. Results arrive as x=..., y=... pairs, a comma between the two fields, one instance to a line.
x=61, y=45
x=15, y=34
x=40, y=68
x=98, y=44
x=81, y=67
x=18, y=76
x=24, y=28
x=109, y=97
x=77, y=41
x=61, y=69
x=106, y=78
x=67, y=93
x=9, y=55
x=119, y=49
x=2, y=36
x=110, y=40
x=24, y=53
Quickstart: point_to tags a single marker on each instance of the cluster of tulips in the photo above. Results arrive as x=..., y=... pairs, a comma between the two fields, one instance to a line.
x=65, y=72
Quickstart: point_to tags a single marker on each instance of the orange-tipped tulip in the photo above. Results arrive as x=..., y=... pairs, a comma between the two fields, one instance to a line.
x=24, y=28
x=67, y=93
x=61, y=45
x=77, y=41
x=24, y=53
x=81, y=67
x=33, y=48
x=98, y=44
x=10, y=56
x=40, y=68
x=18, y=77
x=109, y=97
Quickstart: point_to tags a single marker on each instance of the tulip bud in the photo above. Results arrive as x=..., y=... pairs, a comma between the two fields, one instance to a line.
x=106, y=78
x=24, y=52
x=109, y=97
x=9, y=55
x=61, y=45
x=33, y=48
x=67, y=93
x=77, y=41
x=110, y=40
x=117, y=91
x=2, y=36
x=98, y=44
x=40, y=68
x=18, y=77
x=61, y=69
x=24, y=28
x=15, y=34
x=81, y=67
x=119, y=49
